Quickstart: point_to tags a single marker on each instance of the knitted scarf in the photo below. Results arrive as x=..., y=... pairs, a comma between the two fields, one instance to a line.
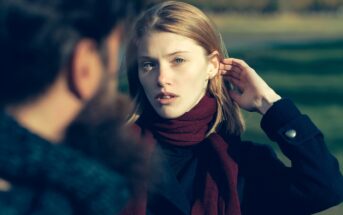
x=216, y=190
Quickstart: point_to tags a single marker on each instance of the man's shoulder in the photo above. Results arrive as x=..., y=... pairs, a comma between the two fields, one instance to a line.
x=21, y=198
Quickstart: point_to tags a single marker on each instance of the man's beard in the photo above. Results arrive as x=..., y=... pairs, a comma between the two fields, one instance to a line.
x=99, y=132
x=107, y=103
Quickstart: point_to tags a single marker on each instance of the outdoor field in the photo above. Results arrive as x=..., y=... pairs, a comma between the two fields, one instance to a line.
x=301, y=57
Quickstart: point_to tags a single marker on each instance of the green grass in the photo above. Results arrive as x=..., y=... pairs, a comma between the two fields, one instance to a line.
x=301, y=57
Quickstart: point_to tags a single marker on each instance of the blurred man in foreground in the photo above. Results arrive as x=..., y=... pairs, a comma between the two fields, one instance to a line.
x=58, y=59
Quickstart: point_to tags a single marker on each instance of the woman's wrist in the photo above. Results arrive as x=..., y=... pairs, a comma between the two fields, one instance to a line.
x=267, y=102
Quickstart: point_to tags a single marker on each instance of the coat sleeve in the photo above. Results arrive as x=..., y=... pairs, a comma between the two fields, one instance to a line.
x=311, y=184
x=20, y=200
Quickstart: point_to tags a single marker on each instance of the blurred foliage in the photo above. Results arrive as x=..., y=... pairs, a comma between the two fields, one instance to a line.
x=268, y=6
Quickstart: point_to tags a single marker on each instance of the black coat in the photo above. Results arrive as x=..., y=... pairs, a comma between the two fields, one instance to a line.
x=265, y=185
x=47, y=179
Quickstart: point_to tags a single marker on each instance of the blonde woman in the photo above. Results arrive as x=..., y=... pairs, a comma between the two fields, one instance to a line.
x=177, y=65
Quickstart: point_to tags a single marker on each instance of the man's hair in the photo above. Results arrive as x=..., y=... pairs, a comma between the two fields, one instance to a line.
x=37, y=39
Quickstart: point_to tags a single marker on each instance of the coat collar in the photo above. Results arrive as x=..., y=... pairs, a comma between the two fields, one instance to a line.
x=169, y=189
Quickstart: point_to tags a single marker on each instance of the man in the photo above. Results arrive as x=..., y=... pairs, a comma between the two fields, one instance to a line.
x=58, y=58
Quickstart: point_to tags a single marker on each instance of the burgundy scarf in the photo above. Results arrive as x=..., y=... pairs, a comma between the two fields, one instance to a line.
x=191, y=129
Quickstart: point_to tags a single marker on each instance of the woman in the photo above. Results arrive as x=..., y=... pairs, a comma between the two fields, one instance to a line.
x=177, y=65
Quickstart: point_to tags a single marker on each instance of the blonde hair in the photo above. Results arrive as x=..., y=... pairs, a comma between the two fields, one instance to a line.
x=186, y=20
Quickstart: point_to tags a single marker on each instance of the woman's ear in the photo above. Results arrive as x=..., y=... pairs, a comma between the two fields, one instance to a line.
x=213, y=60
x=86, y=70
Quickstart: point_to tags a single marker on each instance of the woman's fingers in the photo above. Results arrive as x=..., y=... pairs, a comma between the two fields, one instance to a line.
x=230, y=74
x=227, y=60
x=253, y=91
x=236, y=72
x=236, y=65
x=238, y=83
x=233, y=62
x=225, y=66
x=228, y=70
x=235, y=96
x=240, y=63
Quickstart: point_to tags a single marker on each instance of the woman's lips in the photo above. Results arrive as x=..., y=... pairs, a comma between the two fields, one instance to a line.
x=165, y=98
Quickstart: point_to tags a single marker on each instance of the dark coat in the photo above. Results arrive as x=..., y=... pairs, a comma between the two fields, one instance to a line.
x=47, y=179
x=265, y=185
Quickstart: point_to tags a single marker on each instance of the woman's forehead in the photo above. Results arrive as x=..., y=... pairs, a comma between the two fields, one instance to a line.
x=166, y=43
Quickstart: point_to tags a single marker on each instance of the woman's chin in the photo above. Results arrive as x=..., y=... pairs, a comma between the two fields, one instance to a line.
x=169, y=114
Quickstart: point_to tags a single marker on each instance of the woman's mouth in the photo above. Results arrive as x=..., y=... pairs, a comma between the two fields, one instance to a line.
x=165, y=98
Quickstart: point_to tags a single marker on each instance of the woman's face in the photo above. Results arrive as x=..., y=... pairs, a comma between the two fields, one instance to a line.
x=174, y=72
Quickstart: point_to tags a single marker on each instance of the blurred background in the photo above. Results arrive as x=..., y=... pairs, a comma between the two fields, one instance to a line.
x=297, y=47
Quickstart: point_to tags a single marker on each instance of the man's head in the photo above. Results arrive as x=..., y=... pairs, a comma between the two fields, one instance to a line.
x=42, y=40
x=53, y=54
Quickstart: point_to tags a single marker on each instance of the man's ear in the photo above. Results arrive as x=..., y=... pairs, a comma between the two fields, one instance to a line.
x=213, y=60
x=113, y=44
x=86, y=70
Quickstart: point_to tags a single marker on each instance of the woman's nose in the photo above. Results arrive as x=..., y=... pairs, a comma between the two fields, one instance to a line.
x=163, y=78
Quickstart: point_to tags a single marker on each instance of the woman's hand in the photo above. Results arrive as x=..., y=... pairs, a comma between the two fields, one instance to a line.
x=253, y=92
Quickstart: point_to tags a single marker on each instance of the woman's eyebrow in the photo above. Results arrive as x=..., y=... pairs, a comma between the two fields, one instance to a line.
x=166, y=55
x=175, y=53
x=145, y=57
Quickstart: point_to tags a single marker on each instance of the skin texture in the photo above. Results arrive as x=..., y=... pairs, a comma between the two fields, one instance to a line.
x=176, y=66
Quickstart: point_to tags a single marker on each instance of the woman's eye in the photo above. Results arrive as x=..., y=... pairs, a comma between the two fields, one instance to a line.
x=147, y=66
x=179, y=60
